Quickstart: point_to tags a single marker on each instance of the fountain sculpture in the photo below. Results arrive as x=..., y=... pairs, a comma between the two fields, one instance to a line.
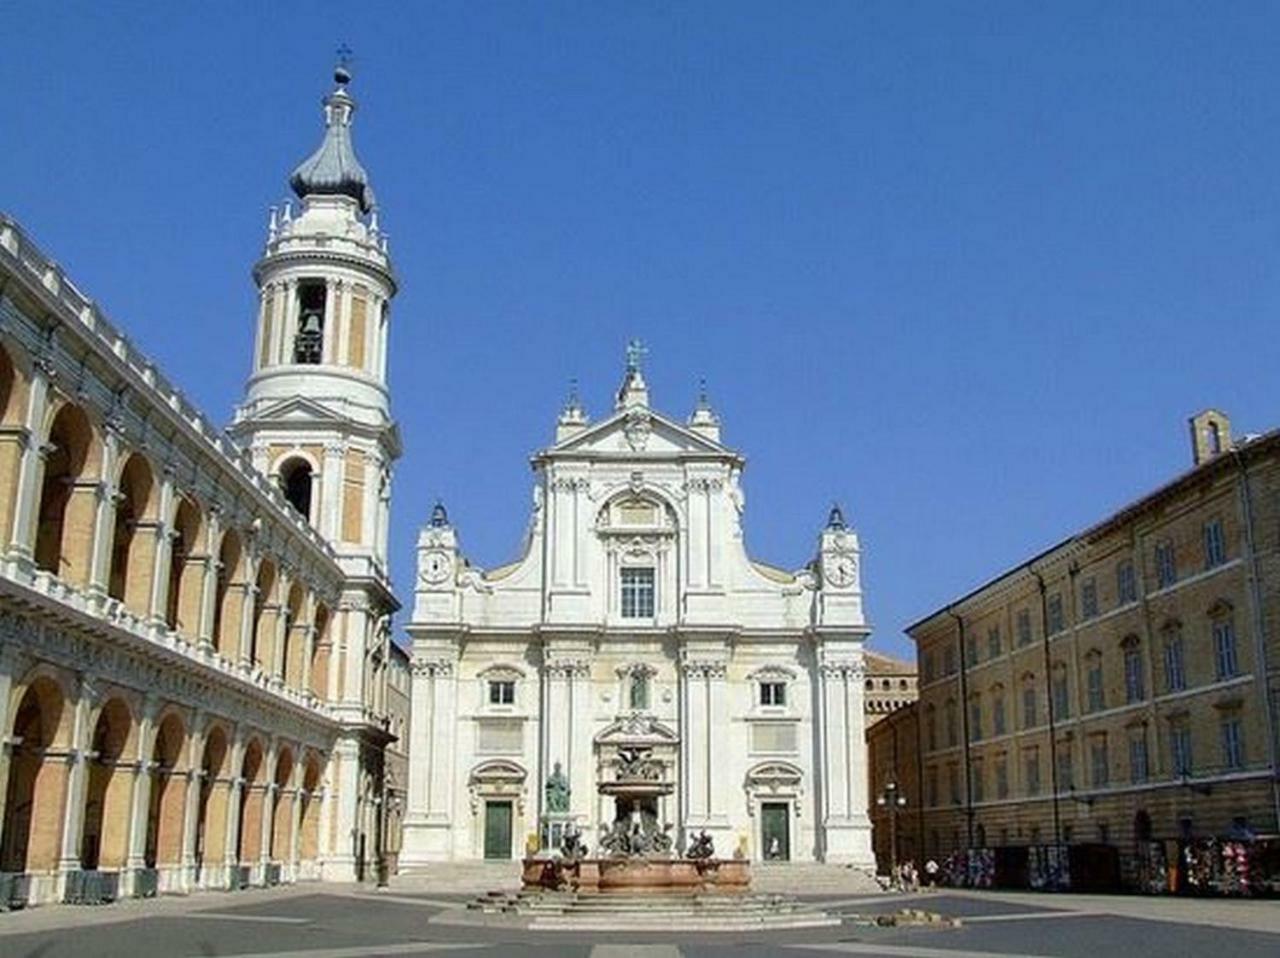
x=636, y=852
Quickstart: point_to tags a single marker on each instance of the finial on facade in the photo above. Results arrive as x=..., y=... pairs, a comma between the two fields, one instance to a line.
x=573, y=402
x=836, y=519
x=287, y=215
x=703, y=401
x=636, y=352
x=439, y=517
x=273, y=223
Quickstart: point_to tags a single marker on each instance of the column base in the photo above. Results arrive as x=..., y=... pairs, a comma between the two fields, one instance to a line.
x=847, y=841
x=423, y=842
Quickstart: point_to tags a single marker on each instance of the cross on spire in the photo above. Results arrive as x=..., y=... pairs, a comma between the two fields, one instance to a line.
x=636, y=351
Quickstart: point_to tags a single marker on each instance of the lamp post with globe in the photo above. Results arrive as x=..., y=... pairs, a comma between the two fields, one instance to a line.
x=892, y=799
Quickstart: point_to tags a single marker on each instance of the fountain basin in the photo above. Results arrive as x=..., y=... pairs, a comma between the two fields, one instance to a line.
x=639, y=875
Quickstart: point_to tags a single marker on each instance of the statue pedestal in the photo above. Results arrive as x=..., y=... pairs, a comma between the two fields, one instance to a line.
x=551, y=834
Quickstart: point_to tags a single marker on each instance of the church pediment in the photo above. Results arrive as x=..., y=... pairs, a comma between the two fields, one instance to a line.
x=637, y=729
x=296, y=409
x=639, y=430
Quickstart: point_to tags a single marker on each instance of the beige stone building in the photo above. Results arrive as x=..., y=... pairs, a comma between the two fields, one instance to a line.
x=1116, y=688
x=893, y=763
x=396, y=792
x=194, y=627
x=890, y=685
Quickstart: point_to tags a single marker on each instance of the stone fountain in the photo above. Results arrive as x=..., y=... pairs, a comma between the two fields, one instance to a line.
x=636, y=852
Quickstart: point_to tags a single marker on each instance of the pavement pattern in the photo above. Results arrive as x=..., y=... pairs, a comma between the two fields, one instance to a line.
x=353, y=922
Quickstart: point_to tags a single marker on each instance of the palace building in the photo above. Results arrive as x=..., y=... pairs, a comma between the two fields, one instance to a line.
x=1120, y=688
x=635, y=632
x=195, y=626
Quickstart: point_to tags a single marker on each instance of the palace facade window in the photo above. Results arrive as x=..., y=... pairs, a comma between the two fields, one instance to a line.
x=637, y=593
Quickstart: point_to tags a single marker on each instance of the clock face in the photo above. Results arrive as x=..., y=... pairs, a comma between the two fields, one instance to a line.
x=435, y=568
x=841, y=571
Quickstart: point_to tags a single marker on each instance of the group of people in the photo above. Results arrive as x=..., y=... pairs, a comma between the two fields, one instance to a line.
x=906, y=877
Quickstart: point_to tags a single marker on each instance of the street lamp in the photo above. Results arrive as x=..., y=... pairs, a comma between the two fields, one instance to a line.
x=893, y=800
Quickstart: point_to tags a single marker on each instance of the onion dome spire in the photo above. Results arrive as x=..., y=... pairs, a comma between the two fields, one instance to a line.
x=333, y=169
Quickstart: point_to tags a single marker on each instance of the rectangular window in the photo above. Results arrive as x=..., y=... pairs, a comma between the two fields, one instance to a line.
x=931, y=786
x=637, y=593
x=976, y=783
x=1055, y=614
x=1126, y=583
x=1166, y=565
x=1031, y=760
x=953, y=733
x=1066, y=773
x=1024, y=627
x=1232, y=743
x=1180, y=749
x=1175, y=674
x=993, y=643
x=1002, y=778
x=949, y=660
x=1099, y=767
x=953, y=783
x=773, y=693
x=1215, y=545
x=1224, y=650
x=1061, y=695
x=1093, y=681
x=997, y=716
x=1089, y=599
x=502, y=692
x=975, y=719
x=1029, y=707
x=970, y=653
x=1138, y=770
x=1134, y=690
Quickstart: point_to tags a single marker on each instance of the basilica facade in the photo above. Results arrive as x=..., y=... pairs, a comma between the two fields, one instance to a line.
x=634, y=632
x=195, y=624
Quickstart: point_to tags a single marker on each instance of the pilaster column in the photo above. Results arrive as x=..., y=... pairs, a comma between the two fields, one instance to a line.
x=704, y=727
x=165, y=533
x=191, y=805
x=845, y=823
x=236, y=796
x=21, y=545
x=77, y=775
x=12, y=663
x=432, y=730
x=140, y=798
x=104, y=521
x=270, y=795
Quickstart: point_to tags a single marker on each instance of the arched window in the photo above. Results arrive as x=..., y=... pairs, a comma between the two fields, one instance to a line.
x=1134, y=686
x=308, y=342
x=296, y=480
x=130, y=579
x=71, y=445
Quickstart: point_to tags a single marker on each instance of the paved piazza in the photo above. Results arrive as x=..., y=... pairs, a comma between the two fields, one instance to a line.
x=412, y=918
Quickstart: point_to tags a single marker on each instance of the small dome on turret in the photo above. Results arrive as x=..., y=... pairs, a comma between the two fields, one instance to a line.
x=333, y=169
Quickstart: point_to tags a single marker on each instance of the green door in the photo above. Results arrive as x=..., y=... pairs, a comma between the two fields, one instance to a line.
x=775, y=831
x=497, y=829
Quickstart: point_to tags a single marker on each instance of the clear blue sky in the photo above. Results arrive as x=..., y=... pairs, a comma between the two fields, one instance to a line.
x=964, y=267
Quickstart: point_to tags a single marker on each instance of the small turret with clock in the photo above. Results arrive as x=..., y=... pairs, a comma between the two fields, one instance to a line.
x=437, y=561
x=841, y=570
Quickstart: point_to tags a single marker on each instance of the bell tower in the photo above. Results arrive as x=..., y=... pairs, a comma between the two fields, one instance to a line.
x=316, y=418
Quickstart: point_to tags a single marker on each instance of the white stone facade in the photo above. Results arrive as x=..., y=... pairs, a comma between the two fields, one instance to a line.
x=744, y=680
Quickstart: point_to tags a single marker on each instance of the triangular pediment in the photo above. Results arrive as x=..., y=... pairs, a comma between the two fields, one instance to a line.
x=639, y=431
x=296, y=409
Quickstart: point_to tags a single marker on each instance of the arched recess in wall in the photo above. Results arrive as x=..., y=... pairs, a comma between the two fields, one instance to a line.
x=278, y=848
x=211, y=807
x=68, y=498
x=318, y=667
x=182, y=611
x=253, y=790
x=290, y=655
x=167, y=799
x=133, y=541
x=228, y=595
x=265, y=610
x=105, y=835
x=35, y=779
x=297, y=482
